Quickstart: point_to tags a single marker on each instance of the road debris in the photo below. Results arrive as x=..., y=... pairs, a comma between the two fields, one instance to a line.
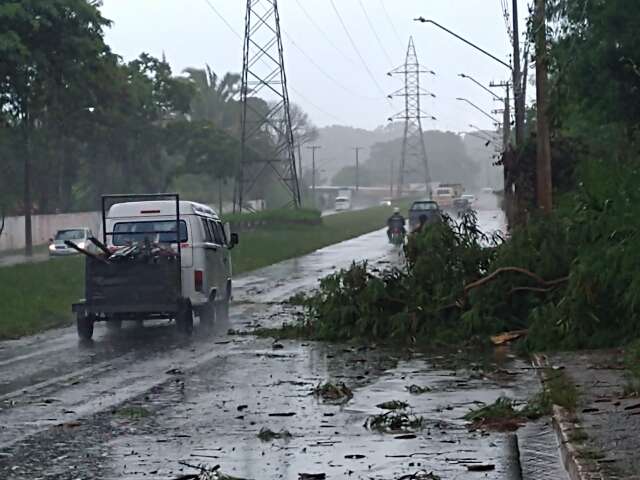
x=266, y=434
x=421, y=475
x=508, y=337
x=333, y=392
x=393, y=405
x=417, y=389
x=312, y=476
x=394, y=422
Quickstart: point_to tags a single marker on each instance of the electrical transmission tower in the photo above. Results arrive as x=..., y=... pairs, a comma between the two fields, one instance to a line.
x=267, y=143
x=414, y=151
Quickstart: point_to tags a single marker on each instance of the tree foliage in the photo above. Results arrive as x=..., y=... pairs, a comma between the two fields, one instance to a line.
x=90, y=123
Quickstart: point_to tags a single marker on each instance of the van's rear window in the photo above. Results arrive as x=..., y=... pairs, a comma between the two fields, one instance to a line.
x=162, y=231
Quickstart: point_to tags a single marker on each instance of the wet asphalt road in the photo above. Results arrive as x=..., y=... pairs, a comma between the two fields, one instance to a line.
x=137, y=403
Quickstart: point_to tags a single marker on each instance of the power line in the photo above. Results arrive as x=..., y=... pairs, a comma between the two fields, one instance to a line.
x=355, y=48
x=393, y=27
x=297, y=92
x=324, y=72
x=324, y=34
x=375, y=33
x=221, y=17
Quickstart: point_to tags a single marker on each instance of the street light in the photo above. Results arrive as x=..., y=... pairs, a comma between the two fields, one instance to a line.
x=463, y=75
x=495, y=120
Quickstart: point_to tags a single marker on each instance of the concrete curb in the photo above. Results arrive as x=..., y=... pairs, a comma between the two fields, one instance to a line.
x=564, y=424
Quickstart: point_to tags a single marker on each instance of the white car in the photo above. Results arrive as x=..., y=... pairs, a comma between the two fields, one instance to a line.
x=79, y=236
x=342, y=204
x=469, y=198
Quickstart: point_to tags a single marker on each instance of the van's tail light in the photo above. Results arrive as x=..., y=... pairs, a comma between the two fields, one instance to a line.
x=199, y=280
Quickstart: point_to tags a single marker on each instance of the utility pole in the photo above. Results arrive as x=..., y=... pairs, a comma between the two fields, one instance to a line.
x=517, y=77
x=543, y=161
x=357, y=150
x=313, y=149
x=413, y=146
x=263, y=70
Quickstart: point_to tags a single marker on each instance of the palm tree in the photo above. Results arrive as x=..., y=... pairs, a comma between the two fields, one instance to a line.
x=215, y=98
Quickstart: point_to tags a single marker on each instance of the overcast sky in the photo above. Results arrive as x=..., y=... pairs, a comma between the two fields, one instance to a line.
x=326, y=76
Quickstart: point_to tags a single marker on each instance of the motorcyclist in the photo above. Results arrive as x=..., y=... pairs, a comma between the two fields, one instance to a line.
x=395, y=222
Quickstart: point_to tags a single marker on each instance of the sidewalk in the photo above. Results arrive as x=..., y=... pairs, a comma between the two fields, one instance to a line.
x=601, y=439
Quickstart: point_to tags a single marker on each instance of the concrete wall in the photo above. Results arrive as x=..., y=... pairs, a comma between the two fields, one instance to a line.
x=44, y=227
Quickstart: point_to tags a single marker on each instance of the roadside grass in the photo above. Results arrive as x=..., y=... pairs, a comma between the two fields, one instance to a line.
x=37, y=296
x=561, y=390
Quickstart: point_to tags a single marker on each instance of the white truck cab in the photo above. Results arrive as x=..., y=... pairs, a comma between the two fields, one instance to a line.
x=204, y=245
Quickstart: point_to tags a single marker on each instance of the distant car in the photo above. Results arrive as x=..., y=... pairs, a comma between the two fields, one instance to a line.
x=386, y=202
x=423, y=212
x=343, y=203
x=487, y=190
x=461, y=205
x=470, y=198
x=444, y=196
x=79, y=236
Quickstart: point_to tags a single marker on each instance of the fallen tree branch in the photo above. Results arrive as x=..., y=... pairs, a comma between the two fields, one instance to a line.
x=491, y=277
x=547, y=284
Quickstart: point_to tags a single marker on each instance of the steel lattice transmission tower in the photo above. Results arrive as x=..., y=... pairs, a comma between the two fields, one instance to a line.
x=263, y=74
x=414, y=151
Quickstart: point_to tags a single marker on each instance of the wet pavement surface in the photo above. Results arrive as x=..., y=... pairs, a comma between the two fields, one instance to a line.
x=608, y=419
x=137, y=403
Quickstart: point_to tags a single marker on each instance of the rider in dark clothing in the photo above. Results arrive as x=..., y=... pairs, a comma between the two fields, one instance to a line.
x=396, y=221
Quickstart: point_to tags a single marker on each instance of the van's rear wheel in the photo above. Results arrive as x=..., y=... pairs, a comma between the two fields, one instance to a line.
x=184, y=317
x=84, y=323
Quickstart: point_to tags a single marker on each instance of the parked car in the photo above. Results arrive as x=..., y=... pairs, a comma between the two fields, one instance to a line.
x=160, y=259
x=79, y=236
x=423, y=212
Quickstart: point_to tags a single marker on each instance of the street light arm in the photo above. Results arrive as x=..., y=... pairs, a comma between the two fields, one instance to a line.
x=426, y=20
x=479, y=109
x=462, y=75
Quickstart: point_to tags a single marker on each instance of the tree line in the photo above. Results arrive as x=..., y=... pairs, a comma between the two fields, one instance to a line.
x=77, y=121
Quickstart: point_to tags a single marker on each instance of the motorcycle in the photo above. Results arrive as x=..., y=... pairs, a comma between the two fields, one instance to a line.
x=397, y=237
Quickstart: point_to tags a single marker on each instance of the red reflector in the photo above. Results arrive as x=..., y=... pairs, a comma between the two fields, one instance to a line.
x=199, y=279
x=149, y=211
x=184, y=245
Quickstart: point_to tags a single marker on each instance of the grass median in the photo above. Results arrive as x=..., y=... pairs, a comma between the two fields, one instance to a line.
x=38, y=296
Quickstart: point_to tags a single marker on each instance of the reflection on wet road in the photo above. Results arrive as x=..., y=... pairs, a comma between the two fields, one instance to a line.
x=137, y=403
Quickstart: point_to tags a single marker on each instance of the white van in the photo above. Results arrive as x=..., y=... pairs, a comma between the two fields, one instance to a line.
x=204, y=242
x=120, y=288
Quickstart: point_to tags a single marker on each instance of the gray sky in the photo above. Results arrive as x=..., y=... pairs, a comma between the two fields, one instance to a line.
x=326, y=77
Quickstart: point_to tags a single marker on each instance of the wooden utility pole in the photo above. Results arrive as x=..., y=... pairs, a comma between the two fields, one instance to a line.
x=543, y=162
x=517, y=78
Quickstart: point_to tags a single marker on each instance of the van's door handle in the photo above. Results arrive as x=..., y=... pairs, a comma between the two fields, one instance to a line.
x=211, y=247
